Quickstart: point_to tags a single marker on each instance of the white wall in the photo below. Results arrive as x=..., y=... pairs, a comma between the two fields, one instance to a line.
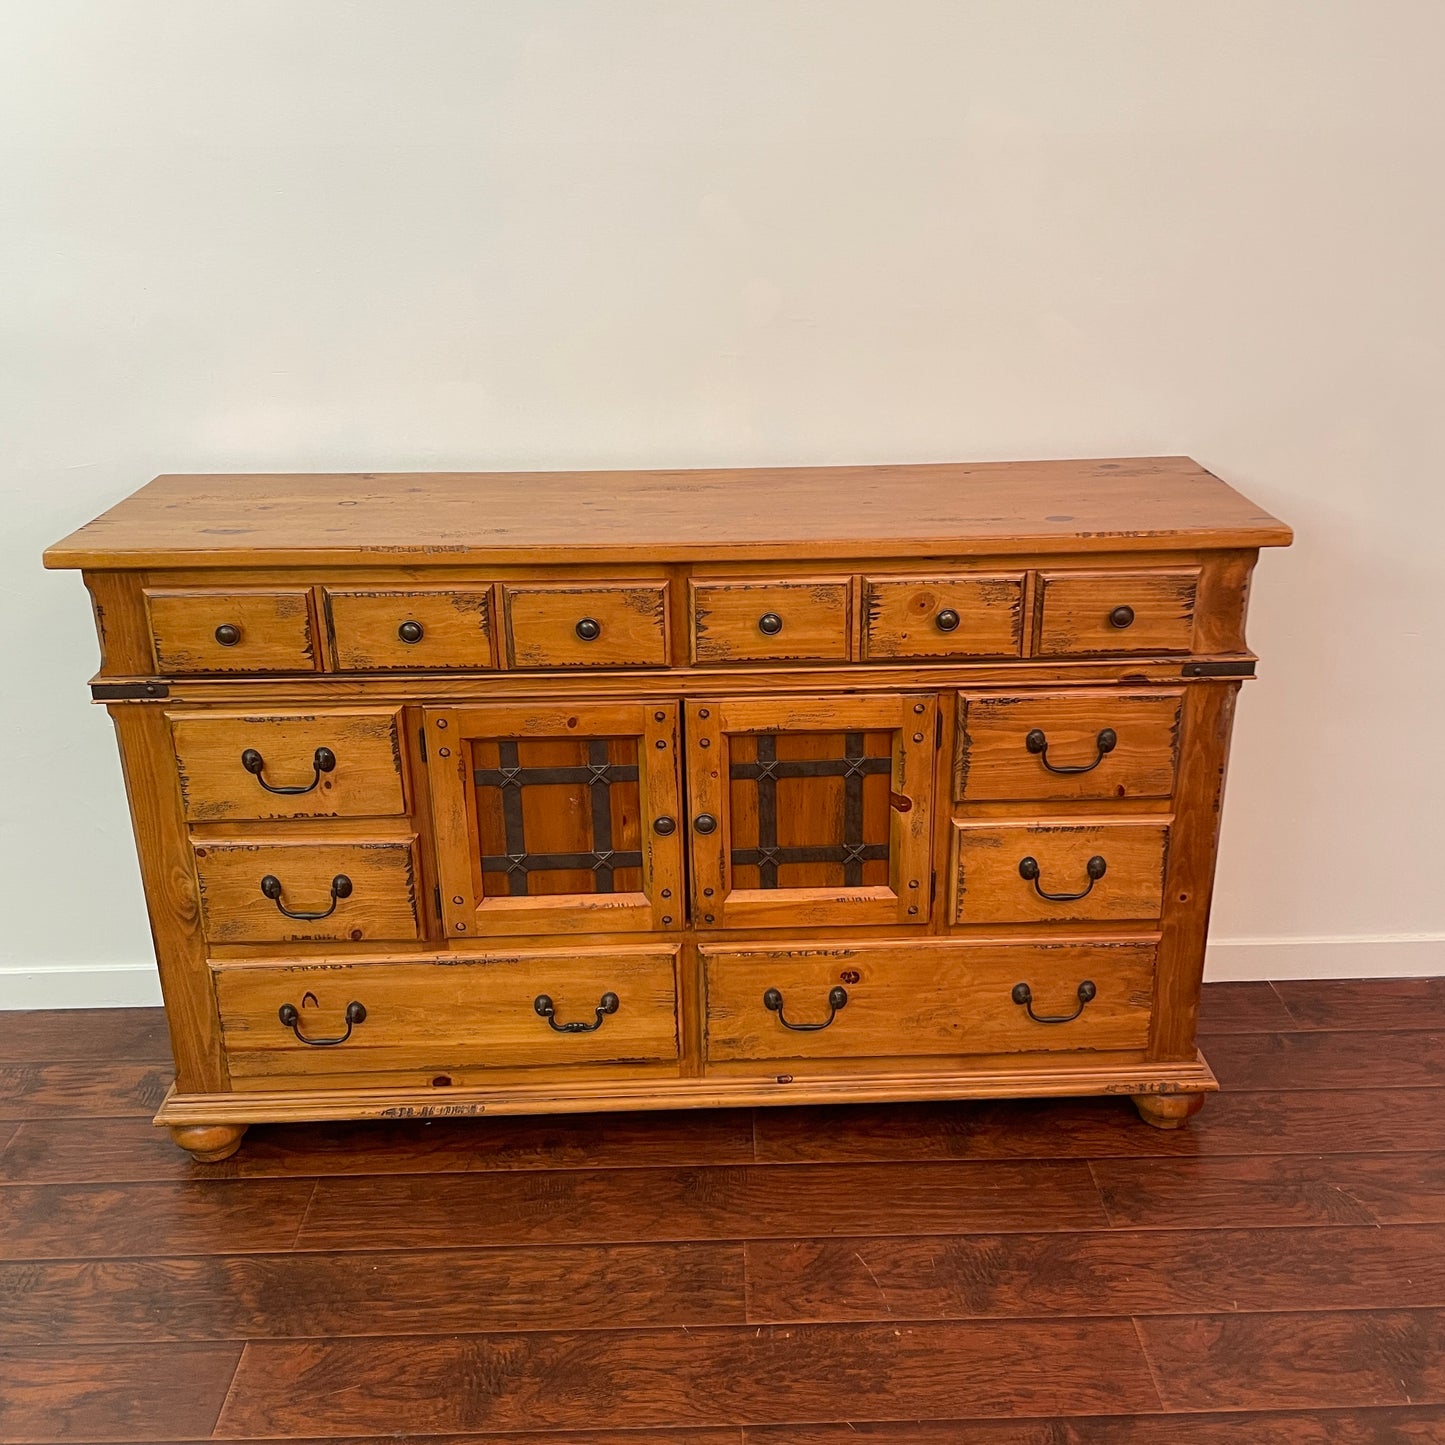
x=409, y=234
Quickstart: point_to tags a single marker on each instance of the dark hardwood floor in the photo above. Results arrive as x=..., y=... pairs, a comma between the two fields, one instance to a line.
x=990, y=1274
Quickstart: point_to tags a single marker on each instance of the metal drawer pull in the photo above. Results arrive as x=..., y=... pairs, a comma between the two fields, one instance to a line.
x=837, y=999
x=1095, y=868
x=290, y=1015
x=947, y=620
x=1121, y=617
x=410, y=632
x=228, y=634
x=340, y=888
x=770, y=624
x=1023, y=995
x=323, y=760
x=589, y=629
x=609, y=1004
x=1037, y=742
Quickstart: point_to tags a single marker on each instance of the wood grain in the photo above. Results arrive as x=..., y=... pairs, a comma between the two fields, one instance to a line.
x=414, y=1292
x=815, y=613
x=1213, y=1362
x=47, y=1036
x=337, y=519
x=1329, y=1060
x=542, y=625
x=901, y=616
x=1364, y=1003
x=620, y=1206
x=93, y=1091
x=706, y=1376
x=274, y=626
x=1242, y=1008
x=1333, y=1189
x=1155, y=1272
x=366, y=623
x=1075, y=611
x=64, y=1221
x=112, y=1392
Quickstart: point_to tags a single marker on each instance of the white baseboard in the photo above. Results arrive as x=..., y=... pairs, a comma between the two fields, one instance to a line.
x=1389, y=955
x=115, y=985
x=1399, y=955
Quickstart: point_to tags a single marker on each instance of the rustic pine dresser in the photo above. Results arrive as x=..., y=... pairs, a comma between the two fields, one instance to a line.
x=468, y=794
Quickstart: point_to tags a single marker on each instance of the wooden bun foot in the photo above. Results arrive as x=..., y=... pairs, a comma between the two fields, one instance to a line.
x=208, y=1143
x=1168, y=1111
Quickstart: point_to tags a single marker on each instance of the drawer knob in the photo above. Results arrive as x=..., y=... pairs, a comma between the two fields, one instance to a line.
x=589, y=629
x=837, y=999
x=770, y=624
x=290, y=1015
x=1036, y=742
x=1095, y=868
x=228, y=634
x=411, y=632
x=340, y=888
x=1121, y=617
x=323, y=760
x=1023, y=995
x=705, y=823
x=608, y=1004
x=664, y=827
x=947, y=620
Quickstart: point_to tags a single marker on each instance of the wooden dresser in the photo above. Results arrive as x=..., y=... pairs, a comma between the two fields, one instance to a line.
x=539, y=792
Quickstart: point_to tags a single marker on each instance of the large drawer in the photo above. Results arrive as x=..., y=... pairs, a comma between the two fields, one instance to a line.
x=800, y=620
x=892, y=1000
x=242, y=630
x=508, y=1010
x=1088, y=743
x=343, y=763
x=611, y=624
x=1059, y=871
x=280, y=889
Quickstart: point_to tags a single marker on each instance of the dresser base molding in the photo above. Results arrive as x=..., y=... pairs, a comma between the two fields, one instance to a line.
x=1161, y=1090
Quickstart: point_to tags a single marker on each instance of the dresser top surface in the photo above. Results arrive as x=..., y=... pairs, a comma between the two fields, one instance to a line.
x=791, y=513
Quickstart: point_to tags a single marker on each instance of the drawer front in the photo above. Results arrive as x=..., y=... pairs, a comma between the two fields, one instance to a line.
x=1086, y=744
x=499, y=1011
x=1088, y=612
x=345, y=763
x=252, y=630
x=943, y=616
x=354, y=888
x=1059, y=872
x=901, y=1000
x=807, y=620
x=612, y=625
x=419, y=627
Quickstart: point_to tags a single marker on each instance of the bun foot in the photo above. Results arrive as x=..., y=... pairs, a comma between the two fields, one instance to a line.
x=208, y=1143
x=1168, y=1111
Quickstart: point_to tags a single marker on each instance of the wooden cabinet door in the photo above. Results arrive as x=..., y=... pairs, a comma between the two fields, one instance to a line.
x=557, y=817
x=811, y=810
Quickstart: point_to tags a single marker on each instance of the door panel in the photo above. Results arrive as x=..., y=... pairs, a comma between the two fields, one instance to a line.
x=811, y=811
x=557, y=817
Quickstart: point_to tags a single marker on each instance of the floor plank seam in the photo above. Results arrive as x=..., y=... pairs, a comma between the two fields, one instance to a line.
x=1149, y=1365
x=305, y=1215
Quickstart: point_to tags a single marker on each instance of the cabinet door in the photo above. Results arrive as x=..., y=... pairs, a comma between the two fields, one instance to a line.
x=556, y=818
x=811, y=810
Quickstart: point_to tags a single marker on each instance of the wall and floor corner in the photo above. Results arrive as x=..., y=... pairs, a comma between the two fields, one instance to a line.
x=565, y=234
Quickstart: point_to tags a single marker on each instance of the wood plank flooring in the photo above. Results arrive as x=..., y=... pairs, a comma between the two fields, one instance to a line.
x=1001, y=1273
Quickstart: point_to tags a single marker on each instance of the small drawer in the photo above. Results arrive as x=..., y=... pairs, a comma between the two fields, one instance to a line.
x=1086, y=744
x=345, y=763
x=416, y=627
x=614, y=624
x=254, y=630
x=960, y=616
x=1059, y=872
x=806, y=620
x=276, y=890
x=892, y=1001
x=457, y=1014
x=1084, y=612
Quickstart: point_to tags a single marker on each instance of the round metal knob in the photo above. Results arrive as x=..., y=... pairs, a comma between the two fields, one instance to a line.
x=947, y=620
x=770, y=624
x=1121, y=617
x=589, y=629
x=705, y=823
x=664, y=826
x=411, y=632
x=228, y=634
